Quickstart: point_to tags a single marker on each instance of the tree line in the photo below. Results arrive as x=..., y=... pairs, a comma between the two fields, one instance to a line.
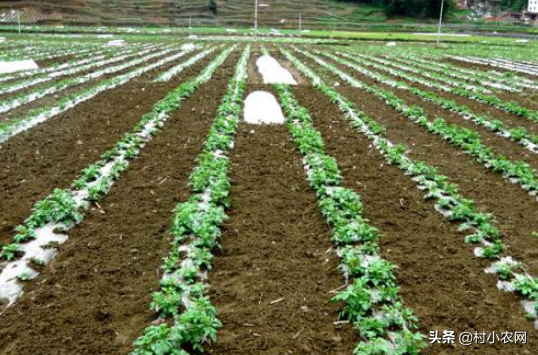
x=411, y=8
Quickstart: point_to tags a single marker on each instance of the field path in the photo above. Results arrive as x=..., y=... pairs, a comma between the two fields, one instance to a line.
x=274, y=250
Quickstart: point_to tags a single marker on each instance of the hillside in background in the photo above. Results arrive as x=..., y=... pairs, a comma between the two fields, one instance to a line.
x=281, y=13
x=278, y=14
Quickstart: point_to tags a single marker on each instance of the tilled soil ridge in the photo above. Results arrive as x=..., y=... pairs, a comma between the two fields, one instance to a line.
x=271, y=282
x=52, y=154
x=94, y=297
x=514, y=209
x=440, y=279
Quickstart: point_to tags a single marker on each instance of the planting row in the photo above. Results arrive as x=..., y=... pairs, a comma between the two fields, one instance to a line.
x=14, y=126
x=50, y=52
x=524, y=68
x=95, y=61
x=449, y=202
x=25, y=98
x=77, y=59
x=515, y=172
x=35, y=239
x=187, y=318
x=456, y=73
x=371, y=299
x=470, y=92
x=518, y=134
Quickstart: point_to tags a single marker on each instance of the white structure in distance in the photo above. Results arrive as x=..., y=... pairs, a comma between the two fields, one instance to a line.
x=533, y=6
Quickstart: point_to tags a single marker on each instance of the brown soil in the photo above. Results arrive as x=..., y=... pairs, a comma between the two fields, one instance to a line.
x=499, y=145
x=440, y=279
x=50, y=100
x=529, y=100
x=254, y=76
x=515, y=210
x=52, y=154
x=511, y=120
x=275, y=246
x=43, y=63
x=94, y=297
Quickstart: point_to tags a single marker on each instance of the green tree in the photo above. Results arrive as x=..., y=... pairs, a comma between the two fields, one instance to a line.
x=413, y=8
x=516, y=5
x=418, y=8
x=212, y=5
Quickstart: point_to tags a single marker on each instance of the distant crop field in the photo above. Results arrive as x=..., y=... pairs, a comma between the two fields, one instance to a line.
x=180, y=193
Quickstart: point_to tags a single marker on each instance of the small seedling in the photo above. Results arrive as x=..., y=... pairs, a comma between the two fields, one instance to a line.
x=37, y=261
x=51, y=245
x=26, y=275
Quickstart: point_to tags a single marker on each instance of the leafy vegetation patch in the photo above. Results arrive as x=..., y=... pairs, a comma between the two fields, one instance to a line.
x=512, y=275
x=187, y=318
x=63, y=209
x=515, y=172
x=371, y=300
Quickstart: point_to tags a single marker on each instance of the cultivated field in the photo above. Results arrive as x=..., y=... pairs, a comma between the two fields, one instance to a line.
x=147, y=207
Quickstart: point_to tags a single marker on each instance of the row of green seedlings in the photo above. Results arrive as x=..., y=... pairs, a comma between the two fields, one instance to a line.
x=525, y=63
x=402, y=71
x=518, y=134
x=250, y=38
x=518, y=172
x=507, y=75
x=508, y=78
x=512, y=275
x=98, y=61
x=63, y=209
x=15, y=126
x=426, y=74
x=41, y=32
x=490, y=76
x=454, y=74
x=54, y=53
x=371, y=301
x=30, y=49
x=25, y=98
x=34, y=47
x=74, y=62
x=176, y=70
x=441, y=74
x=187, y=317
x=20, y=78
x=498, y=63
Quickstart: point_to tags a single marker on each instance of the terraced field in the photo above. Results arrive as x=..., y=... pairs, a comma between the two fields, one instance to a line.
x=240, y=195
x=173, y=12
